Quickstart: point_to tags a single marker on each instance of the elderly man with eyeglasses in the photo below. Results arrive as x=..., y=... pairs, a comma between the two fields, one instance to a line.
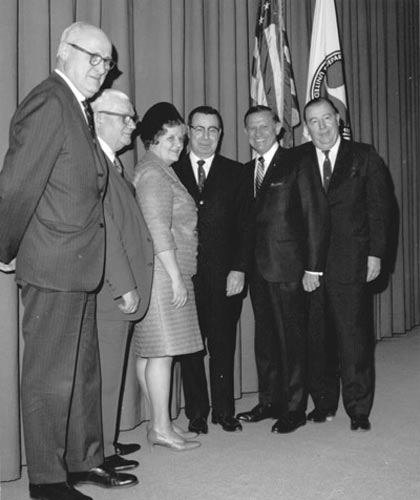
x=52, y=187
x=225, y=241
x=125, y=292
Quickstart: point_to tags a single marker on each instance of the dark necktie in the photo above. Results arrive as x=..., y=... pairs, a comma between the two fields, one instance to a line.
x=259, y=175
x=201, y=175
x=118, y=166
x=89, y=117
x=326, y=170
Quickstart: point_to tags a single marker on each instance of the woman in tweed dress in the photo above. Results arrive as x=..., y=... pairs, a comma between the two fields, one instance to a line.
x=170, y=326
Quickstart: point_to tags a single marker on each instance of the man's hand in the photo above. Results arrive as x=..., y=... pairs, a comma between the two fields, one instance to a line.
x=8, y=268
x=130, y=302
x=373, y=268
x=235, y=283
x=310, y=281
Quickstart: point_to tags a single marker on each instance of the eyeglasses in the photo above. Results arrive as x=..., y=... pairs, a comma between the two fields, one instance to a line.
x=127, y=119
x=212, y=131
x=95, y=59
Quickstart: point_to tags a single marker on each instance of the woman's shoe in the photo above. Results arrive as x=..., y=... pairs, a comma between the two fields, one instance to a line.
x=184, y=434
x=156, y=439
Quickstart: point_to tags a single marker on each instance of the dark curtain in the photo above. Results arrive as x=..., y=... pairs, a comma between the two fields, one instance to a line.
x=194, y=52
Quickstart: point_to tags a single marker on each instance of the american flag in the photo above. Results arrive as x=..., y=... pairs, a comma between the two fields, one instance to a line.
x=272, y=81
x=326, y=67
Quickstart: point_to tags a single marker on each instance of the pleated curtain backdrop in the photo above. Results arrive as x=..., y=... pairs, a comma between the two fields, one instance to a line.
x=194, y=52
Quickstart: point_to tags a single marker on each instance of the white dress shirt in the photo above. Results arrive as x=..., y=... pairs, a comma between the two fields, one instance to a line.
x=206, y=165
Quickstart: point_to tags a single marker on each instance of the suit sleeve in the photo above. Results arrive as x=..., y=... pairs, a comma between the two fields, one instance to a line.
x=315, y=215
x=36, y=138
x=378, y=199
x=118, y=274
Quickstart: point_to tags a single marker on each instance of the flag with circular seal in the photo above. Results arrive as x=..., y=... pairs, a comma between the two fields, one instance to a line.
x=326, y=68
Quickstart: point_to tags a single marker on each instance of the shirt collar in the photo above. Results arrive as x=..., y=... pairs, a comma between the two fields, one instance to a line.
x=208, y=161
x=333, y=152
x=79, y=96
x=268, y=156
x=106, y=149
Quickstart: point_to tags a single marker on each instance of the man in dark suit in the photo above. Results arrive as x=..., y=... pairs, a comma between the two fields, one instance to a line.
x=291, y=222
x=219, y=188
x=124, y=296
x=51, y=219
x=355, y=182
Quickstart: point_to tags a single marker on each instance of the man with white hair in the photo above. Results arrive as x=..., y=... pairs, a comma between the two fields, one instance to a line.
x=124, y=296
x=51, y=219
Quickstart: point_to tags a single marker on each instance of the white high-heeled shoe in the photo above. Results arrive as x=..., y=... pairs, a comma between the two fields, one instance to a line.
x=156, y=439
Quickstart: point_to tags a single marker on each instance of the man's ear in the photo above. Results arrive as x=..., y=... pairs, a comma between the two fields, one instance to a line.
x=97, y=119
x=63, y=51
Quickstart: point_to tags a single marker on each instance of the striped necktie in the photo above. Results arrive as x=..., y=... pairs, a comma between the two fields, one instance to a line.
x=259, y=175
x=89, y=117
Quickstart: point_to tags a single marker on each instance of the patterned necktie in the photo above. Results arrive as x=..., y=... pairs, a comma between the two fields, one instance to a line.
x=259, y=175
x=118, y=166
x=201, y=175
x=89, y=117
x=326, y=170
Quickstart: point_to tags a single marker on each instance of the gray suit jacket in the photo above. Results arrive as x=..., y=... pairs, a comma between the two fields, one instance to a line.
x=51, y=189
x=129, y=251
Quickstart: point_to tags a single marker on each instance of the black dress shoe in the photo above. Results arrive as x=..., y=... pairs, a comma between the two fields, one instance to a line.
x=55, y=491
x=118, y=463
x=289, y=423
x=228, y=423
x=198, y=425
x=104, y=477
x=360, y=423
x=259, y=412
x=126, y=449
x=320, y=416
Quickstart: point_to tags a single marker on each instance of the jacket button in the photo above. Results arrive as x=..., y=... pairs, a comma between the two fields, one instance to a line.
x=201, y=202
x=101, y=224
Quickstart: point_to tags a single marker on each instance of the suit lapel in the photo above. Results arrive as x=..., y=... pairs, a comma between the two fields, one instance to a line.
x=343, y=164
x=187, y=177
x=271, y=168
x=311, y=162
x=100, y=160
x=214, y=173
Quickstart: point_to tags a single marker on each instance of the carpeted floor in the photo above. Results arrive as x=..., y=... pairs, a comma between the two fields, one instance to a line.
x=317, y=462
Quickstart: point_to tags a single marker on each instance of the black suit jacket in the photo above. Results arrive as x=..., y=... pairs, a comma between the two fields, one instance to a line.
x=225, y=222
x=51, y=189
x=359, y=200
x=291, y=221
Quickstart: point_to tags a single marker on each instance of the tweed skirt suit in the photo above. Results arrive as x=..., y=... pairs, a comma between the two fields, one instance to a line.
x=171, y=216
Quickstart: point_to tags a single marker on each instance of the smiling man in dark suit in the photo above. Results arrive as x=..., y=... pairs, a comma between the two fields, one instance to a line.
x=51, y=219
x=219, y=188
x=291, y=225
x=355, y=182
